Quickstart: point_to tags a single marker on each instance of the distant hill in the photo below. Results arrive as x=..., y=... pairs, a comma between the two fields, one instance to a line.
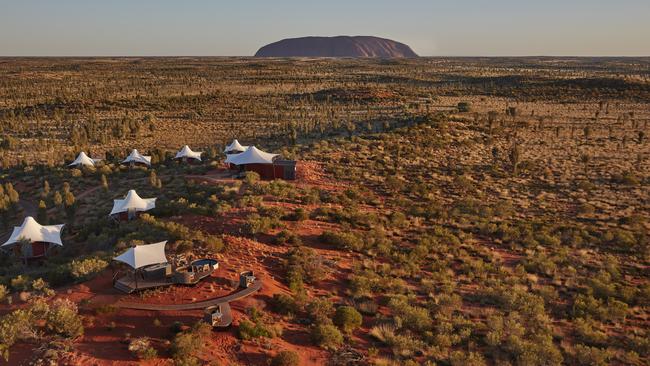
x=341, y=46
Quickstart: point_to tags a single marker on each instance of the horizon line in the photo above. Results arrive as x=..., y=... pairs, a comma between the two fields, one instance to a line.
x=322, y=57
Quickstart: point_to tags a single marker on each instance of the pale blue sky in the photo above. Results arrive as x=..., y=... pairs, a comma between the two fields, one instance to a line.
x=240, y=27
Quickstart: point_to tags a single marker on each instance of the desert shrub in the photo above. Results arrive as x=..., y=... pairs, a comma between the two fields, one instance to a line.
x=299, y=214
x=342, y=240
x=4, y=292
x=347, y=318
x=461, y=358
x=284, y=304
x=41, y=288
x=414, y=318
x=588, y=331
x=306, y=264
x=256, y=224
x=320, y=310
x=256, y=327
x=20, y=283
x=251, y=178
x=141, y=348
x=367, y=307
x=213, y=244
x=327, y=336
x=288, y=237
x=86, y=268
x=591, y=356
x=63, y=319
x=285, y=358
x=187, y=344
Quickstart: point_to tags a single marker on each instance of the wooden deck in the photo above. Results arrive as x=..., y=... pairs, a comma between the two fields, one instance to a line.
x=128, y=284
x=256, y=286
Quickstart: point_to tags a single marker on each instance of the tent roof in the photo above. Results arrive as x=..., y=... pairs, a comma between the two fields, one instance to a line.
x=133, y=202
x=83, y=159
x=235, y=146
x=136, y=157
x=144, y=255
x=252, y=155
x=35, y=232
x=186, y=152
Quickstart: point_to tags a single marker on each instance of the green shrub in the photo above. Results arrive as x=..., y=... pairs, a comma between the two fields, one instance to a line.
x=347, y=318
x=284, y=304
x=288, y=237
x=285, y=358
x=63, y=319
x=256, y=328
x=320, y=310
x=87, y=268
x=342, y=240
x=592, y=356
x=187, y=344
x=327, y=336
x=460, y=358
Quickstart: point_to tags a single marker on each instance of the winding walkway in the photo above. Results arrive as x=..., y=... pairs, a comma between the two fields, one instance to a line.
x=256, y=286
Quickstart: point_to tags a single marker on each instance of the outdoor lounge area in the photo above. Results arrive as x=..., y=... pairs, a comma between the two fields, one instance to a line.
x=149, y=268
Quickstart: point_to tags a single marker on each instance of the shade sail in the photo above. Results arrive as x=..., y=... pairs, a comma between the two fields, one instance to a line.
x=186, y=152
x=235, y=147
x=133, y=202
x=85, y=160
x=252, y=155
x=34, y=232
x=136, y=157
x=144, y=255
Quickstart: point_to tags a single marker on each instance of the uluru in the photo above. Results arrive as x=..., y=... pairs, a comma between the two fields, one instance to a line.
x=340, y=46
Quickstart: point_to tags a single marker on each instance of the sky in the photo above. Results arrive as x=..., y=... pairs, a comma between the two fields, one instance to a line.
x=240, y=27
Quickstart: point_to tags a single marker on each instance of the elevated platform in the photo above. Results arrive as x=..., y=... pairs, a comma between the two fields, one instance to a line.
x=254, y=287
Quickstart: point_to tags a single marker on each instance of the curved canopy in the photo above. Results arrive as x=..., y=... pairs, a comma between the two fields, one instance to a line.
x=34, y=232
x=235, y=147
x=186, y=152
x=133, y=202
x=144, y=255
x=136, y=157
x=252, y=155
x=85, y=160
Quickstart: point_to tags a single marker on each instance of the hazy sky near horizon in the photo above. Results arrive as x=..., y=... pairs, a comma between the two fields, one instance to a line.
x=239, y=28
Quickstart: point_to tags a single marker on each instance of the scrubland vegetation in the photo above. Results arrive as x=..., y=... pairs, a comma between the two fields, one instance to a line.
x=447, y=211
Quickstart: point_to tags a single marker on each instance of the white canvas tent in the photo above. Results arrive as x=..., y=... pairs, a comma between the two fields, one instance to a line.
x=136, y=157
x=85, y=160
x=187, y=153
x=235, y=147
x=252, y=155
x=144, y=255
x=34, y=232
x=132, y=203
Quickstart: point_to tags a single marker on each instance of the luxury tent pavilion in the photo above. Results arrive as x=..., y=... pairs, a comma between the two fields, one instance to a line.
x=186, y=154
x=41, y=239
x=129, y=207
x=267, y=165
x=84, y=160
x=235, y=148
x=136, y=158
